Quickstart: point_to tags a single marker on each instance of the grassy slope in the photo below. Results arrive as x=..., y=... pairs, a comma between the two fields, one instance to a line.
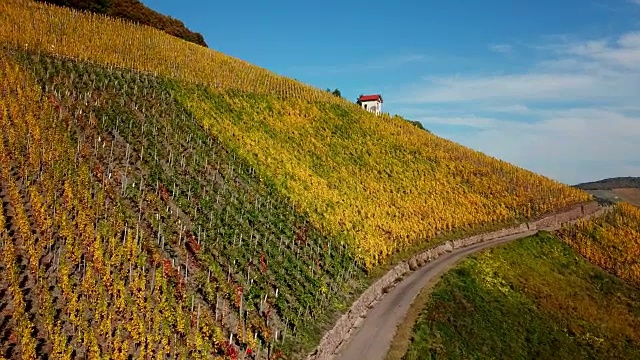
x=535, y=298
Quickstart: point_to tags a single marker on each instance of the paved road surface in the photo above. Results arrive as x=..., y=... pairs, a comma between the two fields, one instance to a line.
x=373, y=338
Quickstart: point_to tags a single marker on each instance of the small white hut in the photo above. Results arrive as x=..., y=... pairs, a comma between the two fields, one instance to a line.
x=372, y=103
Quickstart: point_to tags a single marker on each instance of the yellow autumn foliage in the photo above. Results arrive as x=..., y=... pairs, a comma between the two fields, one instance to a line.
x=611, y=241
x=38, y=168
x=96, y=38
x=378, y=182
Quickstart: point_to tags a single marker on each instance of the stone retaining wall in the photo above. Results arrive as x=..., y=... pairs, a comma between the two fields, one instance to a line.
x=349, y=321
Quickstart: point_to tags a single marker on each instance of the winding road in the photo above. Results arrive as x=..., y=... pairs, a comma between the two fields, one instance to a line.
x=373, y=337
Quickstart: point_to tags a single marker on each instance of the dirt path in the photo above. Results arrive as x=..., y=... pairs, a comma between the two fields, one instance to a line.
x=374, y=335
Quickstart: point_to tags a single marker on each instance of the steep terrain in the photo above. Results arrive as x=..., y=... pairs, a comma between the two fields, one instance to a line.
x=377, y=182
x=162, y=199
x=134, y=10
x=541, y=297
x=611, y=242
x=194, y=210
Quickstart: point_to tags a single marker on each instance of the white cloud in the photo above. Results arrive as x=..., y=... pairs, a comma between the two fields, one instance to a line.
x=502, y=48
x=630, y=40
x=468, y=121
x=581, y=105
x=572, y=146
x=588, y=70
x=511, y=109
x=395, y=61
x=625, y=52
x=531, y=86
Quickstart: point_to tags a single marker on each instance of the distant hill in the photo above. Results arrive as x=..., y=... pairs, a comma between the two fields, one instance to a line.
x=611, y=183
x=135, y=11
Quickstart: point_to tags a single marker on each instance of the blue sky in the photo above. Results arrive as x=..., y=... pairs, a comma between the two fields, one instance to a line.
x=553, y=86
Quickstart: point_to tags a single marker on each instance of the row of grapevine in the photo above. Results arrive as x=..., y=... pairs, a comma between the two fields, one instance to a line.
x=378, y=181
x=611, y=241
x=85, y=36
x=81, y=281
x=265, y=275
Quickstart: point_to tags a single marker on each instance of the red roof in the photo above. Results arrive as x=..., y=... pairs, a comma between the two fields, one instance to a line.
x=376, y=97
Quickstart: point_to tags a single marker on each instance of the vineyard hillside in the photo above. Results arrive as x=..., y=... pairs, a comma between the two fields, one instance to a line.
x=164, y=200
x=134, y=10
x=612, y=242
